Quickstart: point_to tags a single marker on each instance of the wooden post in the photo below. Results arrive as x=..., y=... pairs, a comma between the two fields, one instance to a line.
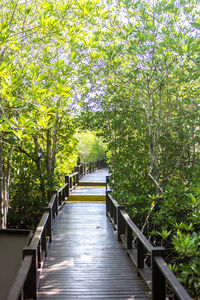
x=59, y=198
x=115, y=215
x=63, y=195
x=158, y=280
x=107, y=202
x=77, y=176
x=49, y=195
x=81, y=173
x=44, y=241
x=140, y=254
x=120, y=222
x=129, y=237
x=55, y=205
x=67, y=187
x=111, y=209
x=30, y=286
x=107, y=181
x=49, y=223
x=70, y=182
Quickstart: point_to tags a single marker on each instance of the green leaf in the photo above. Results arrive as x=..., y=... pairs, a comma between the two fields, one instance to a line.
x=196, y=25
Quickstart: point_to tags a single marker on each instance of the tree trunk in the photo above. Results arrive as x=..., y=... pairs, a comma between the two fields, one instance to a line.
x=37, y=161
x=54, y=146
x=48, y=159
x=5, y=167
x=1, y=180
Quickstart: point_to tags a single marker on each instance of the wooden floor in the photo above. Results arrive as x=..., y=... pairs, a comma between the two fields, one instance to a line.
x=92, y=187
x=85, y=260
x=97, y=176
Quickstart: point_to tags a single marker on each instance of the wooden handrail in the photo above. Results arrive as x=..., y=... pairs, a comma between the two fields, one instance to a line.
x=64, y=186
x=136, y=231
x=159, y=275
x=38, y=233
x=73, y=174
x=52, y=200
x=17, y=287
x=171, y=278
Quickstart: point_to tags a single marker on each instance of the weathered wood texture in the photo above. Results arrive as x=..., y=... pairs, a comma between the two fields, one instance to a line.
x=97, y=176
x=85, y=261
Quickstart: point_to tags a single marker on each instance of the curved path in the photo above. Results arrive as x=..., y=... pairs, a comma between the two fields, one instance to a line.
x=85, y=261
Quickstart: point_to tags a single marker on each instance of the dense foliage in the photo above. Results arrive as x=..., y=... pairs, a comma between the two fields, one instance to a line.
x=90, y=147
x=148, y=111
x=132, y=67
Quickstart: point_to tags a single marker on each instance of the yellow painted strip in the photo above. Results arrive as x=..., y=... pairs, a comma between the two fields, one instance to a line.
x=76, y=201
x=99, y=186
x=87, y=198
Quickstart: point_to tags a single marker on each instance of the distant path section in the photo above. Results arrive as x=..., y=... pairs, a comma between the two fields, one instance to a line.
x=97, y=176
x=91, y=188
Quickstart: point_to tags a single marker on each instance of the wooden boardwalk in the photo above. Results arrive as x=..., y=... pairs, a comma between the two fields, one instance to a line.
x=92, y=187
x=85, y=261
x=96, y=177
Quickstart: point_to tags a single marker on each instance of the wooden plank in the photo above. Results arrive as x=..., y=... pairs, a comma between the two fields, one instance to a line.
x=97, y=176
x=85, y=261
x=88, y=193
x=89, y=190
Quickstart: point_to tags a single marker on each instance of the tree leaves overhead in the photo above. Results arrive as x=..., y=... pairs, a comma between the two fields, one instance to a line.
x=129, y=69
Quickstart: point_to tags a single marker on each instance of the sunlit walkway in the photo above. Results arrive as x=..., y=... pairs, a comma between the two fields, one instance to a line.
x=97, y=176
x=92, y=187
x=84, y=260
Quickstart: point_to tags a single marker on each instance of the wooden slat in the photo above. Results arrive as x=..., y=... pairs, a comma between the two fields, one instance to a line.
x=97, y=176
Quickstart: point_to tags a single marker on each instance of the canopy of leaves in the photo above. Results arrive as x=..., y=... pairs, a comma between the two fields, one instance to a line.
x=128, y=70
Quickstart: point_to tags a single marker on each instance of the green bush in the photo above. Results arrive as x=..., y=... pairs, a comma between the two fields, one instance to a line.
x=90, y=147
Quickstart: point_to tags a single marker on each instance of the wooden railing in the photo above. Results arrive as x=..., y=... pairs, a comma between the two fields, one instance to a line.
x=86, y=168
x=158, y=276
x=26, y=283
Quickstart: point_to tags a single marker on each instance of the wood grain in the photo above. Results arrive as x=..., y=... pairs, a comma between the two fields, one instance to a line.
x=85, y=261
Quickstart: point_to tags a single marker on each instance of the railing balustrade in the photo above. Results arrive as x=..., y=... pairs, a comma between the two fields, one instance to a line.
x=158, y=276
x=26, y=283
